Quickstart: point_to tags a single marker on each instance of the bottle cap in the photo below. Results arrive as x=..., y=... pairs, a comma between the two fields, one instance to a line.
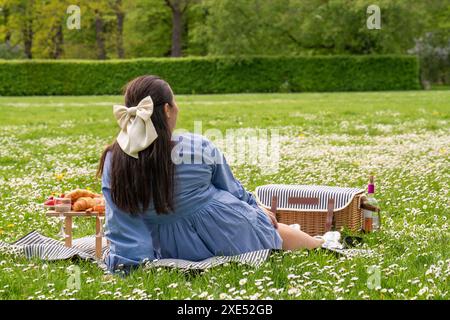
x=371, y=186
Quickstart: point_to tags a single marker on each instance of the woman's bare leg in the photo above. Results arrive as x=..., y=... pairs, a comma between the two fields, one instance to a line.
x=294, y=239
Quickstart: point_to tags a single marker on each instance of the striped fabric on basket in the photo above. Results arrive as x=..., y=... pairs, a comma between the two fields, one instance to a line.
x=342, y=196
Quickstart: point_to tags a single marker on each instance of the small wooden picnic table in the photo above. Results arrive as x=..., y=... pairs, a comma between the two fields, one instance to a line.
x=68, y=217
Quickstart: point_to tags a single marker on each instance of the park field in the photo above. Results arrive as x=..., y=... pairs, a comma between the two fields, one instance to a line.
x=52, y=144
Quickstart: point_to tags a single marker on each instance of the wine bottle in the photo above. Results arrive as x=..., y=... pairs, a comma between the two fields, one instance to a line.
x=371, y=217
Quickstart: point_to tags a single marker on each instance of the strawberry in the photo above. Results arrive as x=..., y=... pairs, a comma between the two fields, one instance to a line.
x=49, y=202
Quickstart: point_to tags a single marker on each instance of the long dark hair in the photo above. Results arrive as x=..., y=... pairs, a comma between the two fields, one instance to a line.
x=137, y=182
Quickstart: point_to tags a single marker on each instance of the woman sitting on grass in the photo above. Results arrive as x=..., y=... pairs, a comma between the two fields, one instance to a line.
x=160, y=207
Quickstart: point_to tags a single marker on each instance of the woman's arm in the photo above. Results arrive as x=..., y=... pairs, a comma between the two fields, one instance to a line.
x=130, y=239
x=223, y=178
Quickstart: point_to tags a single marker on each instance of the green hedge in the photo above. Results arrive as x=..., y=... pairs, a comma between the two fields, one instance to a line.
x=212, y=74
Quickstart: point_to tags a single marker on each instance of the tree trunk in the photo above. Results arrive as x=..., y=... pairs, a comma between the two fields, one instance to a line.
x=8, y=39
x=120, y=15
x=178, y=8
x=27, y=34
x=99, y=36
x=58, y=42
x=177, y=32
x=177, y=25
x=5, y=12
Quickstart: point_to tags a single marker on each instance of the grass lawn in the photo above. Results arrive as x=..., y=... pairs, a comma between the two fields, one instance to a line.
x=52, y=144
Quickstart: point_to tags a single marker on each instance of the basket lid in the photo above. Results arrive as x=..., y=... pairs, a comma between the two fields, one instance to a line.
x=342, y=196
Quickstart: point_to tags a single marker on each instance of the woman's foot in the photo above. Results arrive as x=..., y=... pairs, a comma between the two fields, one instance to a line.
x=294, y=239
x=331, y=240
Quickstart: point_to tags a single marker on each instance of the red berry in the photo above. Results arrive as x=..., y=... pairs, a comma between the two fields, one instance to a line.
x=50, y=202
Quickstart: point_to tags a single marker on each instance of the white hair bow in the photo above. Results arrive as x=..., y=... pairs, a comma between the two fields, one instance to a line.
x=137, y=130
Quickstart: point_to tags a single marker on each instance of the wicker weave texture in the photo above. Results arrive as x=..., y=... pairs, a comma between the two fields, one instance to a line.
x=314, y=223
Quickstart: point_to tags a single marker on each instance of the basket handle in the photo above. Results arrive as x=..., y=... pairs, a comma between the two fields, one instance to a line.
x=330, y=215
x=307, y=201
x=312, y=201
x=293, y=200
x=274, y=205
x=330, y=222
x=366, y=206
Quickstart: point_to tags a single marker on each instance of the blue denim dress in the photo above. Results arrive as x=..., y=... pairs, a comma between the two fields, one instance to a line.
x=213, y=215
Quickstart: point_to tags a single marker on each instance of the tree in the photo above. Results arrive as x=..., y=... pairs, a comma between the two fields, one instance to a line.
x=99, y=35
x=141, y=28
x=277, y=27
x=49, y=35
x=97, y=38
x=97, y=15
x=4, y=19
x=7, y=49
x=120, y=16
x=433, y=47
x=109, y=18
x=22, y=20
x=178, y=9
x=148, y=28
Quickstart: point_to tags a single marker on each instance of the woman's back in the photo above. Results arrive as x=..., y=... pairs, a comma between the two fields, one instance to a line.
x=174, y=196
x=212, y=214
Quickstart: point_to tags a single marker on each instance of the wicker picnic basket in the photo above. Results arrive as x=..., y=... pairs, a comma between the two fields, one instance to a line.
x=317, y=209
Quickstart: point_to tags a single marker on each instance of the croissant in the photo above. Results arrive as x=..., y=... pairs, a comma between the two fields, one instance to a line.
x=83, y=203
x=99, y=201
x=98, y=208
x=78, y=193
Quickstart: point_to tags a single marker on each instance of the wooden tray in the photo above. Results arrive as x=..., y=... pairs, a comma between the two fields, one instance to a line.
x=53, y=213
x=69, y=223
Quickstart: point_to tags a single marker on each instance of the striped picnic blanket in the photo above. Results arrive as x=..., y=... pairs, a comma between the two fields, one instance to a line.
x=35, y=245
